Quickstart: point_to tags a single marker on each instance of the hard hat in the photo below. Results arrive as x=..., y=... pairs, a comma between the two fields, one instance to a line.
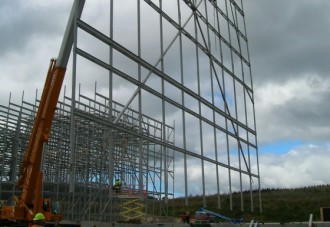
x=38, y=217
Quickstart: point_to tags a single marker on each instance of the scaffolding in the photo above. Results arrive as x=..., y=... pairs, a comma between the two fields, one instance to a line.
x=91, y=196
x=174, y=93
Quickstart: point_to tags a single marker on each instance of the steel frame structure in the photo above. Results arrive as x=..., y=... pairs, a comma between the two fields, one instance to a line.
x=91, y=161
x=175, y=94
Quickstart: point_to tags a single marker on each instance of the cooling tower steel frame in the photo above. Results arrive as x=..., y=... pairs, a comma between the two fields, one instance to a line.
x=174, y=97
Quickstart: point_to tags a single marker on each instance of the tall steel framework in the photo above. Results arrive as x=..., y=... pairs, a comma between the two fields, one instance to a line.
x=171, y=111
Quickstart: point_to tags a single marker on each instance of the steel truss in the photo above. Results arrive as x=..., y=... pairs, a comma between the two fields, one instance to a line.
x=192, y=71
x=90, y=196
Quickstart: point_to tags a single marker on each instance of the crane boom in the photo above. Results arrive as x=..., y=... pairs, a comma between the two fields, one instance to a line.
x=30, y=174
x=30, y=180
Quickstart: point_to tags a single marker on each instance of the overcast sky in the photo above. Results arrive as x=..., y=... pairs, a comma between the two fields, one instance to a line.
x=289, y=50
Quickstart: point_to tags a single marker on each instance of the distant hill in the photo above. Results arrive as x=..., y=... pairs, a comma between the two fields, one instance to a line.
x=278, y=205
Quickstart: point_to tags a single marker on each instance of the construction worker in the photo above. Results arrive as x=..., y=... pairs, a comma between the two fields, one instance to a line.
x=117, y=186
x=38, y=220
x=187, y=217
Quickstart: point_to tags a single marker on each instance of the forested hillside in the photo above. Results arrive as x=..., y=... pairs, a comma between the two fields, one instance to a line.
x=278, y=205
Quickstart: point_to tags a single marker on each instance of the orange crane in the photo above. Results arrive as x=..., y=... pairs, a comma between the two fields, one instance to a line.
x=30, y=179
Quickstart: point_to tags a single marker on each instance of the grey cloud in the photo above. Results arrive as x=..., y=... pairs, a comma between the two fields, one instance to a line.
x=302, y=114
x=287, y=38
x=25, y=20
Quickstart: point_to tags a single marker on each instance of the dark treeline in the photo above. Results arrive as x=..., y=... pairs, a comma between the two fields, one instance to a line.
x=278, y=205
